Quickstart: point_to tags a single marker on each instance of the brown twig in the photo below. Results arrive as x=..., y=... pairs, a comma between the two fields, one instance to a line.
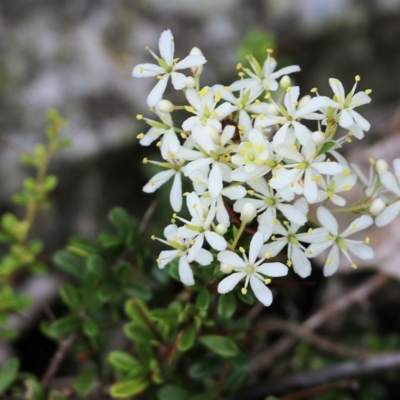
x=265, y=359
x=305, y=334
x=312, y=379
x=58, y=357
x=146, y=217
x=310, y=393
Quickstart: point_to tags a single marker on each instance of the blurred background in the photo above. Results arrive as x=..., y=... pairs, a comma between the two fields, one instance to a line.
x=77, y=56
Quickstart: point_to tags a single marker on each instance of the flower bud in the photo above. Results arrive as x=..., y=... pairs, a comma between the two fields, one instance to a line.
x=377, y=206
x=221, y=229
x=303, y=101
x=225, y=268
x=190, y=82
x=165, y=106
x=272, y=109
x=248, y=213
x=285, y=82
x=381, y=166
x=318, y=138
x=196, y=52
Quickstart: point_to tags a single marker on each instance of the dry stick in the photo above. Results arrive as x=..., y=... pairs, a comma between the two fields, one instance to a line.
x=61, y=352
x=346, y=370
x=305, y=334
x=311, y=393
x=265, y=359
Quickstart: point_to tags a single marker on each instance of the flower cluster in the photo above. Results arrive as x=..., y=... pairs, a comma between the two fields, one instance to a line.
x=258, y=155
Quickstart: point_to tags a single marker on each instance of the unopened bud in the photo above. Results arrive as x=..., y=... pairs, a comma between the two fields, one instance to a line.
x=377, y=206
x=196, y=52
x=190, y=82
x=285, y=82
x=165, y=106
x=318, y=138
x=381, y=166
x=272, y=109
x=221, y=229
x=225, y=268
x=248, y=213
x=303, y=101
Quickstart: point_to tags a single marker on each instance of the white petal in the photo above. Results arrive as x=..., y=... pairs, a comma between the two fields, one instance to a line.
x=204, y=257
x=273, y=270
x=301, y=264
x=360, y=249
x=166, y=256
x=157, y=92
x=216, y=241
x=178, y=80
x=190, y=61
x=388, y=214
x=175, y=196
x=358, y=224
x=185, y=272
x=215, y=184
x=228, y=283
x=360, y=121
x=292, y=214
x=345, y=120
x=231, y=258
x=332, y=262
x=158, y=180
x=273, y=248
x=390, y=182
x=261, y=291
x=317, y=248
x=147, y=70
x=328, y=168
x=327, y=220
x=255, y=246
x=166, y=47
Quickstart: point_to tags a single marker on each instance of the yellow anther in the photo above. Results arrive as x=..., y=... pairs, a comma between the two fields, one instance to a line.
x=139, y=136
x=267, y=281
x=217, y=96
x=244, y=291
x=145, y=160
x=242, y=250
x=368, y=91
x=357, y=78
x=139, y=116
x=314, y=90
x=267, y=255
x=270, y=51
x=371, y=161
x=346, y=172
x=189, y=109
x=367, y=240
x=289, y=89
x=347, y=188
x=354, y=266
x=158, y=144
x=310, y=230
x=241, y=74
x=289, y=263
x=239, y=66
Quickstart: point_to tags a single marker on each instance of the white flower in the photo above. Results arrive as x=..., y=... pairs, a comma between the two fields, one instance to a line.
x=264, y=78
x=185, y=251
x=199, y=228
x=204, y=105
x=173, y=169
x=167, y=66
x=253, y=271
x=295, y=250
x=292, y=112
x=391, y=182
x=253, y=157
x=268, y=203
x=339, y=183
x=303, y=170
x=328, y=236
x=347, y=117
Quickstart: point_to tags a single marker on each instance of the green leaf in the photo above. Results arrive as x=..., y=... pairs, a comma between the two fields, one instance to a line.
x=8, y=373
x=226, y=305
x=50, y=182
x=96, y=265
x=70, y=296
x=69, y=262
x=326, y=147
x=204, y=368
x=122, y=361
x=169, y=392
x=109, y=240
x=128, y=388
x=138, y=332
x=64, y=326
x=220, y=345
x=122, y=220
x=138, y=290
x=203, y=300
x=90, y=328
x=137, y=310
x=57, y=395
x=84, y=382
x=188, y=338
x=164, y=315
